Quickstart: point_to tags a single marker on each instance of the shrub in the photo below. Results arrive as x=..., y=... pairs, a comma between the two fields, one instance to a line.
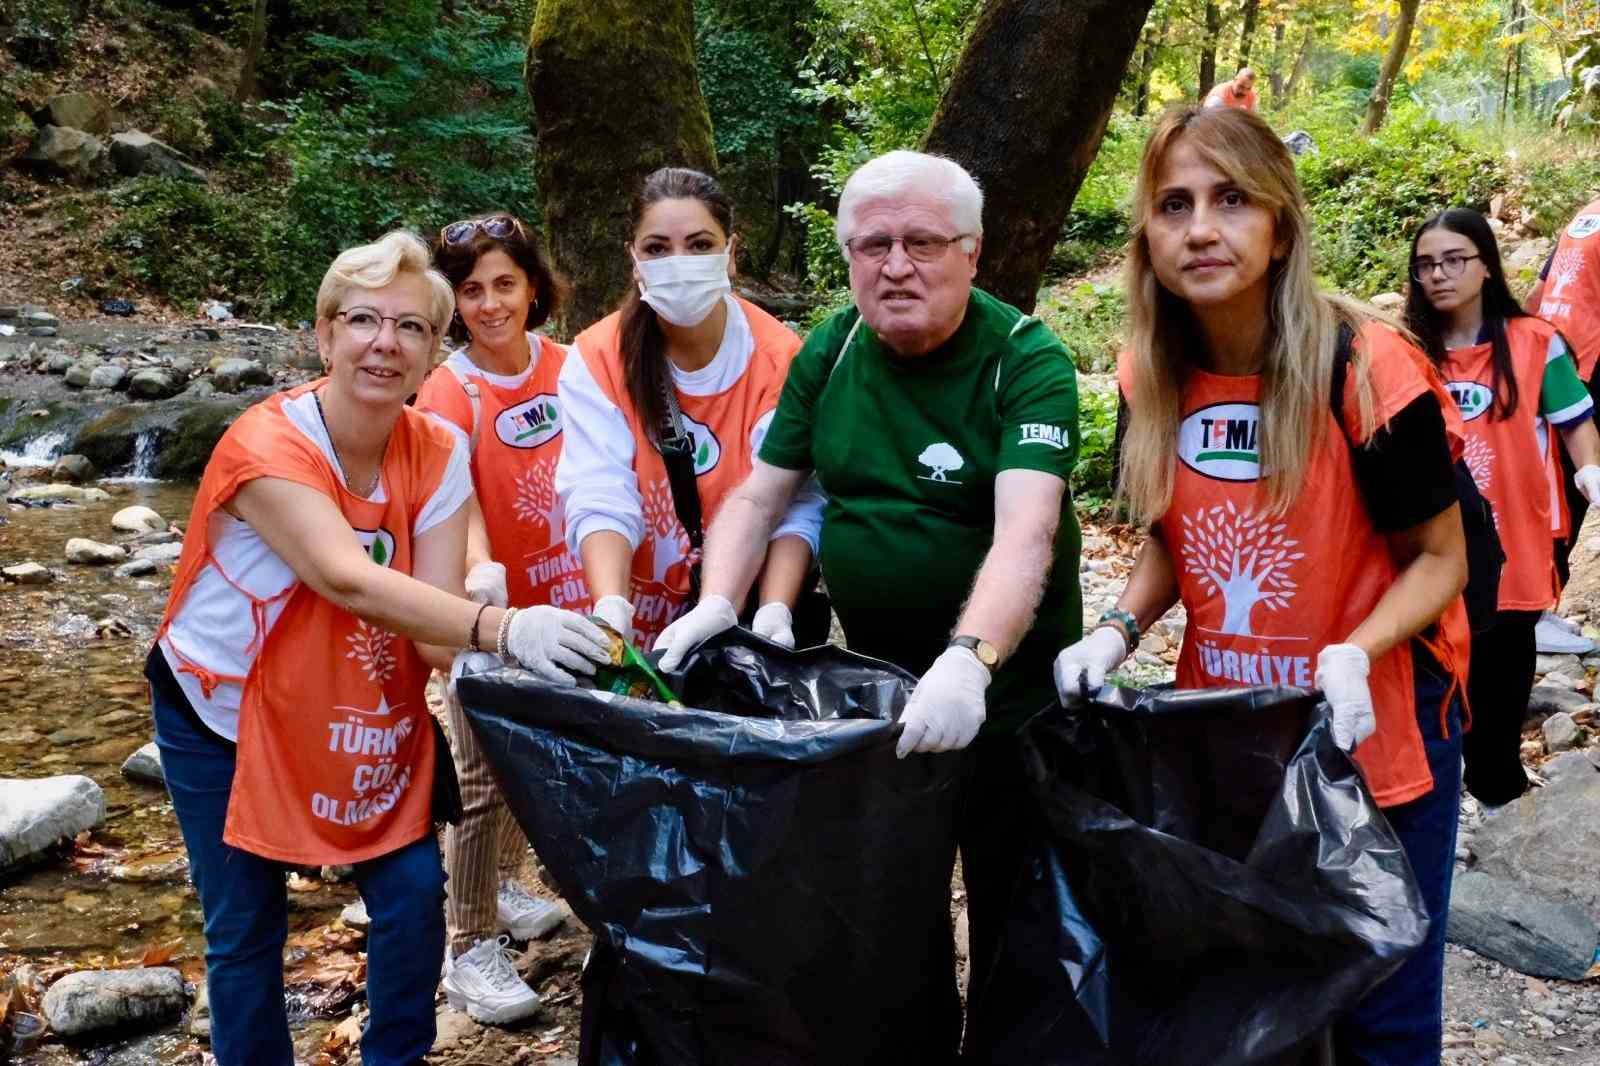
x=1094, y=478
x=1090, y=319
x=188, y=242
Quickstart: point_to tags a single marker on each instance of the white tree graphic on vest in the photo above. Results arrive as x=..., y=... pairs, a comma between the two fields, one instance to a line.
x=369, y=646
x=1479, y=458
x=1243, y=555
x=536, y=499
x=671, y=543
x=1564, y=270
x=941, y=458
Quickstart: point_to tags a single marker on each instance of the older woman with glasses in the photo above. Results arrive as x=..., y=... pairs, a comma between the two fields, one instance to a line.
x=320, y=580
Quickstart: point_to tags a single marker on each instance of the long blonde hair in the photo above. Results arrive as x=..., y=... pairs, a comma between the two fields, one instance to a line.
x=1302, y=331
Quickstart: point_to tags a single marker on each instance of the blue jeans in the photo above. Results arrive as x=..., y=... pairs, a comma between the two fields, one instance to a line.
x=1401, y=1022
x=245, y=905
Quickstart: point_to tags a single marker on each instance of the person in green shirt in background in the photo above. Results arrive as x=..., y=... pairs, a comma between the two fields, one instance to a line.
x=943, y=425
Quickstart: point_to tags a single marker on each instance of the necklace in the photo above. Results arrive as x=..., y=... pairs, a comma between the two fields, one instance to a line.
x=344, y=469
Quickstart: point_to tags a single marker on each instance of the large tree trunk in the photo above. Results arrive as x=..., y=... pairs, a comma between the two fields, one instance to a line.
x=1028, y=125
x=1275, y=75
x=1378, y=105
x=1208, y=49
x=1248, y=32
x=1153, y=43
x=615, y=96
x=255, y=43
x=1297, y=71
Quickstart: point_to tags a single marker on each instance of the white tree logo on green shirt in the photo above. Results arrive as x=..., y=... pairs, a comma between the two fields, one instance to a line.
x=940, y=458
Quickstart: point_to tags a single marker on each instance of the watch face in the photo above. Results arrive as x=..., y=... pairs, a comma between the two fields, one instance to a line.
x=986, y=654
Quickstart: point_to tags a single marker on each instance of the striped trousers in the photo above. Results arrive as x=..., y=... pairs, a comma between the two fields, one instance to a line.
x=484, y=849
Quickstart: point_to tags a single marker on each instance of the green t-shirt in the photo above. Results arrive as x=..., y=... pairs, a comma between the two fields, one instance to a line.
x=908, y=451
x=1563, y=397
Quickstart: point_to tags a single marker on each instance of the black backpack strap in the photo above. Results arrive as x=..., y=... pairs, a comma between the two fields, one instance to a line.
x=677, y=453
x=1343, y=348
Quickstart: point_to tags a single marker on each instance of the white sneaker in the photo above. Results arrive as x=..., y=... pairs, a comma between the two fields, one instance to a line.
x=525, y=916
x=1565, y=623
x=1552, y=636
x=484, y=983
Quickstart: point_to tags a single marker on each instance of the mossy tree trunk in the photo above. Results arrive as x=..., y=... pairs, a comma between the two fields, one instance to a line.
x=615, y=96
x=1026, y=120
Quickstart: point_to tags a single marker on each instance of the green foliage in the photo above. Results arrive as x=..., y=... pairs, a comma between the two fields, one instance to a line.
x=1097, y=228
x=825, y=265
x=1094, y=478
x=39, y=32
x=1090, y=317
x=188, y=242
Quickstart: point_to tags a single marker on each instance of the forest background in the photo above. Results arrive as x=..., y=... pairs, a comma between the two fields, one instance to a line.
x=321, y=123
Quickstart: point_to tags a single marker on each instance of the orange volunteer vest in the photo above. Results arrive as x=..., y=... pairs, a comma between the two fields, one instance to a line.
x=720, y=425
x=1266, y=593
x=1510, y=459
x=336, y=750
x=1571, y=300
x=518, y=441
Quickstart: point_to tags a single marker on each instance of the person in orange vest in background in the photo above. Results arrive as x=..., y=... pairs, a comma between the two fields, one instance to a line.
x=1567, y=296
x=1239, y=91
x=320, y=580
x=498, y=392
x=1513, y=378
x=666, y=401
x=1313, y=538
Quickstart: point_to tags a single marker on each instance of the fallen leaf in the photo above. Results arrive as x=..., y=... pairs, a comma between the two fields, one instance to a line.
x=161, y=954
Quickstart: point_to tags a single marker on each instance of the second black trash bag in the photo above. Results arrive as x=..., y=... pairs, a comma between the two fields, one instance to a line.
x=766, y=882
x=1213, y=885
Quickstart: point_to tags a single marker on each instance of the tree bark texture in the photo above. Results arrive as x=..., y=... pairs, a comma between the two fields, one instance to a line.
x=1153, y=43
x=1208, y=49
x=1378, y=105
x=1301, y=61
x=615, y=96
x=1248, y=31
x=1027, y=125
x=1275, y=75
x=255, y=43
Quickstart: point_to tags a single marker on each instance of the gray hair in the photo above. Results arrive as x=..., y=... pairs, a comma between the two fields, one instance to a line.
x=898, y=174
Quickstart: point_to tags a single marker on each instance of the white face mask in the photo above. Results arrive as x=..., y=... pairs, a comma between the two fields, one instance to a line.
x=683, y=289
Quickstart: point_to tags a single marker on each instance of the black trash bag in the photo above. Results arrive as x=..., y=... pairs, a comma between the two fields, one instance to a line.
x=766, y=882
x=1212, y=884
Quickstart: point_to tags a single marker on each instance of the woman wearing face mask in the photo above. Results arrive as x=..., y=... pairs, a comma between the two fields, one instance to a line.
x=1313, y=537
x=684, y=365
x=1513, y=376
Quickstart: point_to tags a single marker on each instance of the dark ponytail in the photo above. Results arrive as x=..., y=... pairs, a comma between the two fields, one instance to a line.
x=644, y=345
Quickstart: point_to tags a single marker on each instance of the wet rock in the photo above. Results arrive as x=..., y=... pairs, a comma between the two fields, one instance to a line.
x=60, y=151
x=1565, y=665
x=72, y=469
x=136, y=568
x=79, y=111
x=1547, y=841
x=29, y=573
x=70, y=735
x=234, y=375
x=1551, y=697
x=1570, y=763
x=94, y=553
x=136, y=152
x=107, y=376
x=56, y=493
x=200, y=390
x=1560, y=732
x=164, y=536
x=59, y=363
x=200, y=1016
x=160, y=554
x=37, y=813
x=106, y=999
x=145, y=765
x=154, y=383
x=81, y=373
x=1530, y=934
x=138, y=519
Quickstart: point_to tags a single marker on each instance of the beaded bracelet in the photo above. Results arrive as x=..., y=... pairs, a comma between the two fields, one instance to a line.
x=505, y=630
x=1123, y=621
x=473, y=644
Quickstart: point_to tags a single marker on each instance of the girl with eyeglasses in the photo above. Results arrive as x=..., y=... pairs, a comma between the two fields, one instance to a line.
x=1513, y=377
x=497, y=390
x=1292, y=456
x=667, y=400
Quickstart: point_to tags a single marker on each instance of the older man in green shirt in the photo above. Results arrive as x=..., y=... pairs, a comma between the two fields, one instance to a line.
x=943, y=425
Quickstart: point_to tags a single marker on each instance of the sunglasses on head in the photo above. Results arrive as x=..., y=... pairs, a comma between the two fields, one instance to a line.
x=497, y=226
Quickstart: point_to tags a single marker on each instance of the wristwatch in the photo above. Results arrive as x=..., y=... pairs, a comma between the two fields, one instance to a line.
x=986, y=653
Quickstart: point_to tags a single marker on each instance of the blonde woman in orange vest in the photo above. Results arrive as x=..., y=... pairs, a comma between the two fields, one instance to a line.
x=682, y=361
x=320, y=580
x=1513, y=377
x=497, y=390
x=1314, y=540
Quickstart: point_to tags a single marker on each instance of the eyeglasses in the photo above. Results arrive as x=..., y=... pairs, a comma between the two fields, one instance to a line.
x=923, y=247
x=365, y=323
x=497, y=226
x=1422, y=267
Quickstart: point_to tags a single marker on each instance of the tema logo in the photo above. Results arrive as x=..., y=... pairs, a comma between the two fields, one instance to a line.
x=1473, y=399
x=1582, y=226
x=530, y=423
x=1043, y=433
x=379, y=544
x=1222, y=441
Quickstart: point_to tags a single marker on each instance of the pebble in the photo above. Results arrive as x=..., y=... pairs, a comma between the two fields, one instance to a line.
x=138, y=519
x=94, y=553
x=28, y=573
x=160, y=553
x=136, y=567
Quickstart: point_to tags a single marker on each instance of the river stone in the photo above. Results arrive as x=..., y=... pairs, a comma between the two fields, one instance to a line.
x=1530, y=934
x=234, y=375
x=154, y=383
x=1568, y=665
x=29, y=573
x=200, y=390
x=136, y=568
x=136, y=152
x=107, y=376
x=69, y=153
x=138, y=519
x=84, y=550
x=160, y=553
x=35, y=813
x=59, y=363
x=145, y=765
x=54, y=493
x=80, y=374
x=74, y=469
x=80, y=111
x=1551, y=697
x=1547, y=841
x=106, y=999
x=1568, y=763
x=1560, y=732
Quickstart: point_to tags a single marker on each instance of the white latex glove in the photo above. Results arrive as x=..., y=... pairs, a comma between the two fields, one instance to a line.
x=617, y=613
x=470, y=662
x=706, y=619
x=1081, y=668
x=486, y=583
x=775, y=622
x=551, y=642
x=1588, y=482
x=947, y=707
x=1342, y=677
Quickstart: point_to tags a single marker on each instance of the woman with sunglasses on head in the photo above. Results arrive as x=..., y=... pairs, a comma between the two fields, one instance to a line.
x=497, y=390
x=320, y=579
x=683, y=377
x=1513, y=377
x=1313, y=535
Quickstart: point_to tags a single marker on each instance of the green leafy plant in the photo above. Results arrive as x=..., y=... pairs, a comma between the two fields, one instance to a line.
x=1094, y=478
